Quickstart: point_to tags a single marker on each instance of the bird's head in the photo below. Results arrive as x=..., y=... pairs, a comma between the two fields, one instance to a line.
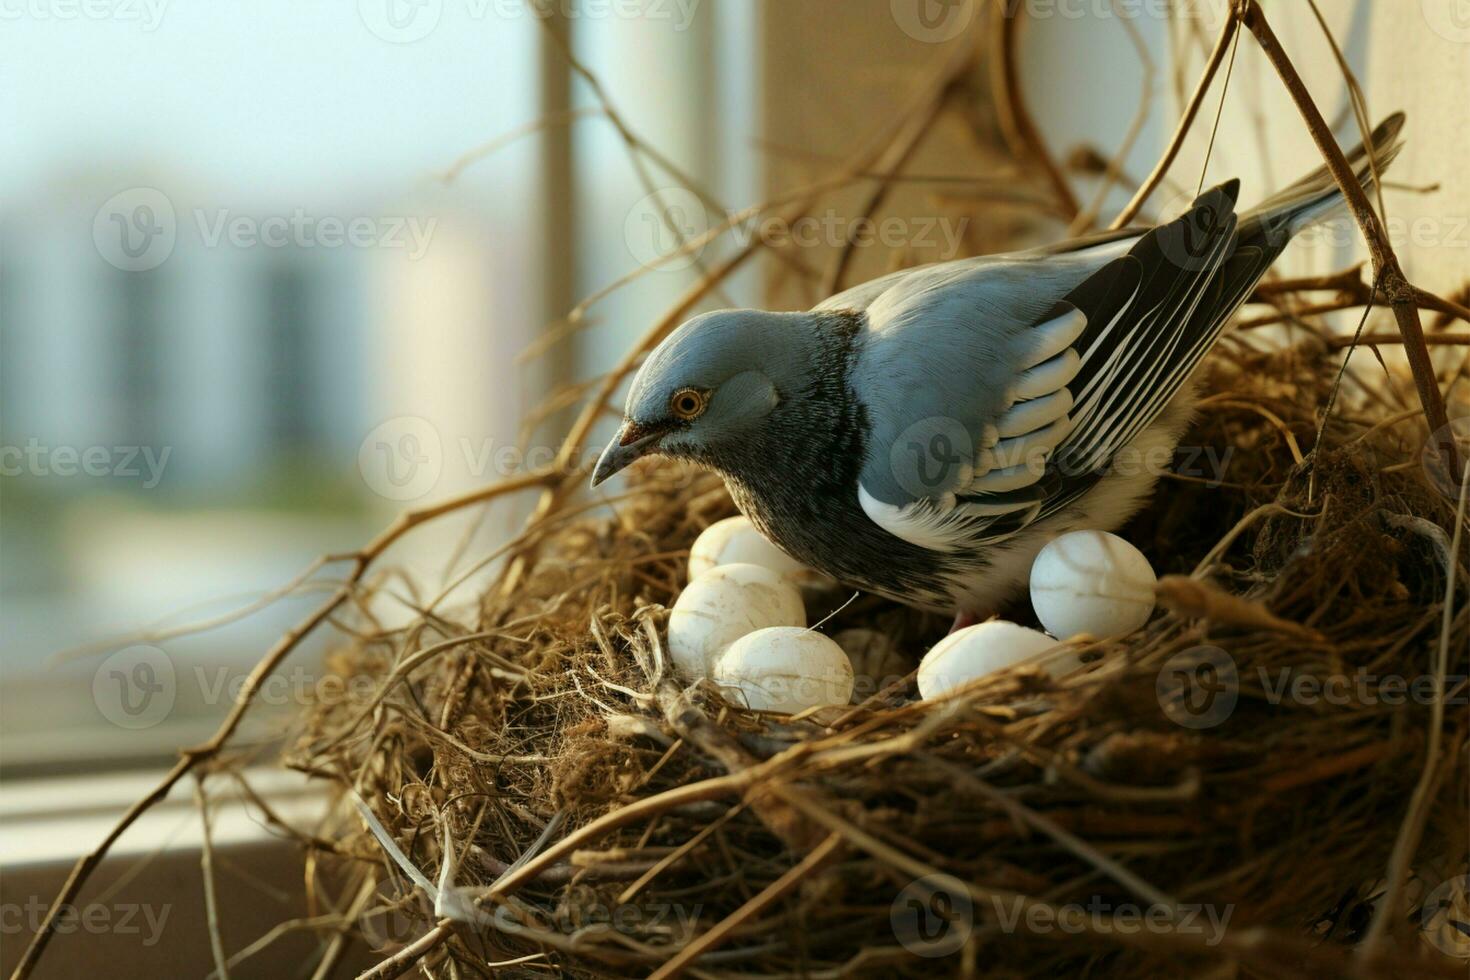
x=708, y=389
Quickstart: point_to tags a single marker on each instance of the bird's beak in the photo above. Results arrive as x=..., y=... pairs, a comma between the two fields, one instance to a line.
x=632, y=442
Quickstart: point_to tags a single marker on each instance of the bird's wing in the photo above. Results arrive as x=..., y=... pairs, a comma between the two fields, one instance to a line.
x=1077, y=384
x=905, y=281
x=862, y=296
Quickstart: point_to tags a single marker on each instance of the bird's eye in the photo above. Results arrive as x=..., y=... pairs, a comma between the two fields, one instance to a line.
x=688, y=403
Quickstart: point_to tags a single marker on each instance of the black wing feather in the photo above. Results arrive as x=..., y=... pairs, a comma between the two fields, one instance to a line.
x=1152, y=315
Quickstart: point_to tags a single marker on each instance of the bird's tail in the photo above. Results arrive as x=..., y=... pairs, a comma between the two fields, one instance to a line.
x=1317, y=196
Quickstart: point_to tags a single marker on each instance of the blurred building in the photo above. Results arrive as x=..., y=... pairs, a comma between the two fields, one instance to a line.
x=181, y=437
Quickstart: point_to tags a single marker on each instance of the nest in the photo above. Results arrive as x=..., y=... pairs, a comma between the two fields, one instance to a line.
x=597, y=818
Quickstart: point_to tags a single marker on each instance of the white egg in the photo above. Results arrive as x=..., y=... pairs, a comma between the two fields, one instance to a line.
x=984, y=649
x=876, y=663
x=735, y=540
x=1091, y=582
x=724, y=604
x=785, y=669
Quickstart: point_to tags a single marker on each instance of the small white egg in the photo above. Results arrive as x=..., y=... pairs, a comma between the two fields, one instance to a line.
x=784, y=669
x=724, y=604
x=1091, y=582
x=984, y=649
x=735, y=540
x=876, y=663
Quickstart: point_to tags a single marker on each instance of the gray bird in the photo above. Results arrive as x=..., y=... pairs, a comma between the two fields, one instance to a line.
x=923, y=435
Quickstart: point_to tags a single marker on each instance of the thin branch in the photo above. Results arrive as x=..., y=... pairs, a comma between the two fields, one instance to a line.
x=206, y=868
x=1402, y=297
x=1015, y=117
x=1406, y=845
x=823, y=854
x=475, y=155
x=157, y=634
x=1113, y=167
x=1353, y=291
x=1349, y=280
x=1373, y=339
x=861, y=162
x=343, y=933
x=708, y=789
x=1068, y=840
x=1201, y=88
x=403, y=960
x=192, y=757
x=896, y=157
x=1257, y=946
x=1439, y=304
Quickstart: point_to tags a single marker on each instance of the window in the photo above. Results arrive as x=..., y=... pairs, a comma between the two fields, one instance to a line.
x=215, y=231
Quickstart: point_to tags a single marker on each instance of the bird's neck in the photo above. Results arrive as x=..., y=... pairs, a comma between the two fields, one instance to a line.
x=812, y=441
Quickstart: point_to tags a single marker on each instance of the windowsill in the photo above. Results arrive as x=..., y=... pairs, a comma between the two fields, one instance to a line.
x=55, y=820
x=143, y=913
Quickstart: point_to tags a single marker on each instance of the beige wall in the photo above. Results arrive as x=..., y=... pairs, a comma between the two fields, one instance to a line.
x=1421, y=64
x=828, y=83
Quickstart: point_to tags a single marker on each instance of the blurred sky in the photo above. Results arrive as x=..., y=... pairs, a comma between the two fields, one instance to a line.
x=269, y=100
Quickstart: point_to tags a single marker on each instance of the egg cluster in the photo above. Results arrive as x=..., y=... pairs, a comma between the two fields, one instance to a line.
x=742, y=623
x=1084, y=584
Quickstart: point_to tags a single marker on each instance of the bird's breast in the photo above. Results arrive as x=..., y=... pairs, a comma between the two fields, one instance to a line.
x=829, y=532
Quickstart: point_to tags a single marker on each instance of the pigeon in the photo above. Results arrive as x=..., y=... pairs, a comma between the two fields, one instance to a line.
x=923, y=435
